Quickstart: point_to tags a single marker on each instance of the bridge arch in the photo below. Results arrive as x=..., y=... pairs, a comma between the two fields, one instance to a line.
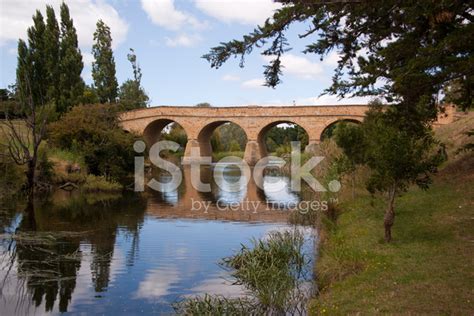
x=328, y=131
x=152, y=132
x=264, y=130
x=205, y=134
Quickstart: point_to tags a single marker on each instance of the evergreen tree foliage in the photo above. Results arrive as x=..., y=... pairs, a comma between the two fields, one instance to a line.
x=404, y=51
x=103, y=68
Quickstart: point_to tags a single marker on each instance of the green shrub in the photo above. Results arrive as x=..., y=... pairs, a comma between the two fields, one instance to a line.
x=44, y=168
x=283, y=150
x=11, y=176
x=234, y=146
x=93, y=131
x=100, y=184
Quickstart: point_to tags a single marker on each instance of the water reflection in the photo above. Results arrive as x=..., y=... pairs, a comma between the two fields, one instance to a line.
x=133, y=253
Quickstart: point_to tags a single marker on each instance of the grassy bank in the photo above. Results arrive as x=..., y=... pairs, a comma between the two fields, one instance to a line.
x=428, y=267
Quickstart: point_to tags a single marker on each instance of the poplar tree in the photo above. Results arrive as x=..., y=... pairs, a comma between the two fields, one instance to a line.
x=131, y=94
x=51, y=42
x=103, y=68
x=33, y=77
x=32, y=62
x=71, y=85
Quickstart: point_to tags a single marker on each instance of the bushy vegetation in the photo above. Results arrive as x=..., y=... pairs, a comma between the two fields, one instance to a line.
x=100, y=184
x=398, y=154
x=217, y=305
x=425, y=270
x=11, y=176
x=216, y=156
x=278, y=138
x=272, y=270
x=93, y=131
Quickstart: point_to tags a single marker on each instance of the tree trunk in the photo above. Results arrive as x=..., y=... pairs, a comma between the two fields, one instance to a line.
x=29, y=220
x=30, y=181
x=389, y=217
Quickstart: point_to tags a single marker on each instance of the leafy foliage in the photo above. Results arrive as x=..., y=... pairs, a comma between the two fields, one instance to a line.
x=51, y=52
x=282, y=136
x=131, y=94
x=396, y=156
x=203, y=105
x=93, y=131
x=103, y=68
x=71, y=85
x=51, y=62
x=404, y=51
x=177, y=134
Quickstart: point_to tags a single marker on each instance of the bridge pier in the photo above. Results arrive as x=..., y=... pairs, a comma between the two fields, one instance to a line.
x=313, y=146
x=252, y=152
x=192, y=153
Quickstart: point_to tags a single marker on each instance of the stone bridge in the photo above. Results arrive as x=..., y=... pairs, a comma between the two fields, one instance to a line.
x=256, y=121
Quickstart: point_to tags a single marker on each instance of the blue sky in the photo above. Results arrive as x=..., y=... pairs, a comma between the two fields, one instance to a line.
x=169, y=37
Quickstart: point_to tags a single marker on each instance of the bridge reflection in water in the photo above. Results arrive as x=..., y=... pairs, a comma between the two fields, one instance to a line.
x=235, y=199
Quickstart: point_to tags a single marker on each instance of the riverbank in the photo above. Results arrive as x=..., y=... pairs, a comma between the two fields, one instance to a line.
x=427, y=269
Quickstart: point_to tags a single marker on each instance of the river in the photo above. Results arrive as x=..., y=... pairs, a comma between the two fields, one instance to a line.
x=135, y=253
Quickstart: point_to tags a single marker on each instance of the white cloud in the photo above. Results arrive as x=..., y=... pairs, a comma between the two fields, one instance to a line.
x=183, y=40
x=299, y=66
x=332, y=100
x=157, y=283
x=87, y=59
x=254, y=83
x=15, y=18
x=250, y=12
x=331, y=59
x=230, y=77
x=165, y=14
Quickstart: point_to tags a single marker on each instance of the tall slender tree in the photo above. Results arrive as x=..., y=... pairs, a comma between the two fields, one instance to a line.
x=51, y=42
x=23, y=68
x=131, y=94
x=103, y=68
x=33, y=63
x=71, y=84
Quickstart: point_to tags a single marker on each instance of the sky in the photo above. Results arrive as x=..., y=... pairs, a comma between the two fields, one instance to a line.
x=169, y=37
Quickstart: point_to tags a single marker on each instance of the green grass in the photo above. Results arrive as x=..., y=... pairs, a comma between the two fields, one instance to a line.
x=427, y=269
x=219, y=155
x=66, y=155
x=100, y=184
x=216, y=305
